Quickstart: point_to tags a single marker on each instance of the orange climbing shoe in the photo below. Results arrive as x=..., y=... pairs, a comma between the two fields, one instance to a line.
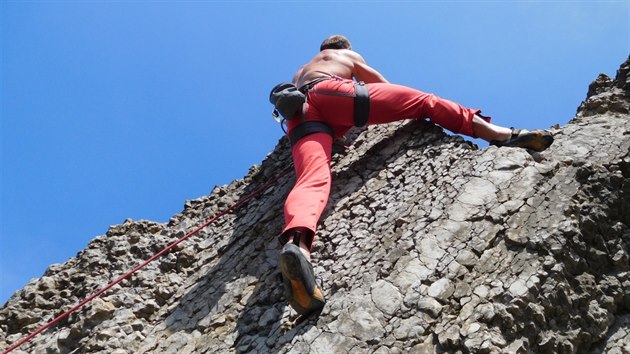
x=300, y=288
x=537, y=140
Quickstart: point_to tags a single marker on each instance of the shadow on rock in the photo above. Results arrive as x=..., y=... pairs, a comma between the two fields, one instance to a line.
x=238, y=303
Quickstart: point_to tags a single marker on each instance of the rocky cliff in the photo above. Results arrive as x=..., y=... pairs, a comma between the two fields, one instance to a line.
x=428, y=245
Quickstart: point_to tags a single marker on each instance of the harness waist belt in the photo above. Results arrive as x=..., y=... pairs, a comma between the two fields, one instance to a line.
x=309, y=85
x=361, y=104
x=308, y=128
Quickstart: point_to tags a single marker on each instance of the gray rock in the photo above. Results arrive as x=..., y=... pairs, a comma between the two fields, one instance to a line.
x=386, y=297
x=361, y=323
x=430, y=306
x=441, y=289
x=331, y=343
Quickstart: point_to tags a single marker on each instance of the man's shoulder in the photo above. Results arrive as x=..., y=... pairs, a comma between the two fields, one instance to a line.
x=341, y=52
x=354, y=56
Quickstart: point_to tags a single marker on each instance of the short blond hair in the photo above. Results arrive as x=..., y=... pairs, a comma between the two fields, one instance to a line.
x=335, y=41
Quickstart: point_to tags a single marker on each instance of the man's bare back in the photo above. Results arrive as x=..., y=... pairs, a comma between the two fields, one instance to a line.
x=343, y=63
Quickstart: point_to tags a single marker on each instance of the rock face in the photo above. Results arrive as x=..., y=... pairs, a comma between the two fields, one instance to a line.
x=428, y=245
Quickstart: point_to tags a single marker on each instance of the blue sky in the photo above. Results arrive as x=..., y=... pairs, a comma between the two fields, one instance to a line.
x=126, y=109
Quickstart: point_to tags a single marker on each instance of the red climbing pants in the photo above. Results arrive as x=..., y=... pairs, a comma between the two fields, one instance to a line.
x=332, y=102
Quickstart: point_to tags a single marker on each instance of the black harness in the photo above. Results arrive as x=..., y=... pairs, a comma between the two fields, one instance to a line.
x=361, y=104
x=361, y=111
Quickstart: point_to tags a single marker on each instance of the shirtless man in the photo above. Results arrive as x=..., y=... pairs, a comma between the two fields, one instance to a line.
x=328, y=83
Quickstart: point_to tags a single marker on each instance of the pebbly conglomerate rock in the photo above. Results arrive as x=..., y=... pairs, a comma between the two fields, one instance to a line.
x=428, y=245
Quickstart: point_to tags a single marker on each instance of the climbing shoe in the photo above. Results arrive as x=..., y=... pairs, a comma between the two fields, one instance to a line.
x=537, y=140
x=300, y=288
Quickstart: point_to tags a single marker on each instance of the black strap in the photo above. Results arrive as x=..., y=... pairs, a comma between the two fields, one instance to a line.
x=361, y=104
x=297, y=234
x=308, y=128
x=309, y=85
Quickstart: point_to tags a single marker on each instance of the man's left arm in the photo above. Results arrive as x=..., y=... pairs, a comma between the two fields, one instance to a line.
x=363, y=72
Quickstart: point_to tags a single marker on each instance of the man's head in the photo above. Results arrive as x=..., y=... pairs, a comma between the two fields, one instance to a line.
x=336, y=41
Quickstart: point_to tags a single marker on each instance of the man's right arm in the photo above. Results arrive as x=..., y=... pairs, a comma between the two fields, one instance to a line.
x=363, y=72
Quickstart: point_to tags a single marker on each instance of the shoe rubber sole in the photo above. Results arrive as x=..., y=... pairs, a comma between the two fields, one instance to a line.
x=301, y=291
x=537, y=140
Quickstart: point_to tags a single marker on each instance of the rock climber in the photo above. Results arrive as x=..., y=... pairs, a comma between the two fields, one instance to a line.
x=334, y=104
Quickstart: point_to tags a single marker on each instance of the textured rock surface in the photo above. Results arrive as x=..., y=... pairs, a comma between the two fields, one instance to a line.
x=428, y=245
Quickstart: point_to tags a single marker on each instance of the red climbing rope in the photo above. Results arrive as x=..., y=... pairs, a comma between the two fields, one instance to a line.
x=157, y=255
